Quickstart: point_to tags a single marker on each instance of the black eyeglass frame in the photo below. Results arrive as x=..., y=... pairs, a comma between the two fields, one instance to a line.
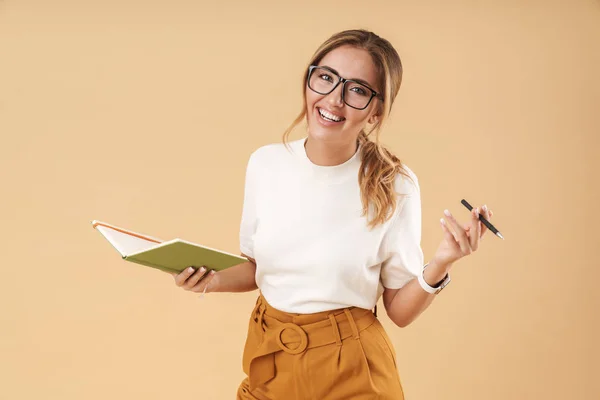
x=343, y=81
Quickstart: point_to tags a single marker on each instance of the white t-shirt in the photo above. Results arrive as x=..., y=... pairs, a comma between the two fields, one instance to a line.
x=302, y=224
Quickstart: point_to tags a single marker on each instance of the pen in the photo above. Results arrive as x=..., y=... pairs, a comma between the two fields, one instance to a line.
x=485, y=221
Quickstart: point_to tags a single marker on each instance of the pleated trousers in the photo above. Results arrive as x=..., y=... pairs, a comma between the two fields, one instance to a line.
x=333, y=355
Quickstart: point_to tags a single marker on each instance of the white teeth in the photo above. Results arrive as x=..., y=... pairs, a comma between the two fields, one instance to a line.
x=329, y=116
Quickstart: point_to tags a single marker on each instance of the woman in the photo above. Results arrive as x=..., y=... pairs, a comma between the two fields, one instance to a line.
x=330, y=223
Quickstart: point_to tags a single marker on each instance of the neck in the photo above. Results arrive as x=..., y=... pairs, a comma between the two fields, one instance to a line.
x=329, y=154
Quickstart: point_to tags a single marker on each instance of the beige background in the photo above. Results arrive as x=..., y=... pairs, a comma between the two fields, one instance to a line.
x=144, y=113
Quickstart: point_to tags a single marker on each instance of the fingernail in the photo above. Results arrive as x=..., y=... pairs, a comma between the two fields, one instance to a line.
x=202, y=270
x=484, y=208
x=190, y=269
x=477, y=212
x=213, y=272
x=447, y=213
x=442, y=221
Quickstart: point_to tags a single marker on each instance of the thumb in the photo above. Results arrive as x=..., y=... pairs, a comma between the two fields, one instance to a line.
x=468, y=230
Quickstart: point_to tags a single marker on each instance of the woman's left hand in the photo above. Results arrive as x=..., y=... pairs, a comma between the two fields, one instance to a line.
x=460, y=241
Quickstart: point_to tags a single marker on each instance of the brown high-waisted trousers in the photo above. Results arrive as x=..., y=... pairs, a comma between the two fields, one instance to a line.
x=343, y=354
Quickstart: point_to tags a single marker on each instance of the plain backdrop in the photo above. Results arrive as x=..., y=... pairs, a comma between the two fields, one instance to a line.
x=143, y=114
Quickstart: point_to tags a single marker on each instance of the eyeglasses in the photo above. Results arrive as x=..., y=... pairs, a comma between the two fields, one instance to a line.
x=355, y=94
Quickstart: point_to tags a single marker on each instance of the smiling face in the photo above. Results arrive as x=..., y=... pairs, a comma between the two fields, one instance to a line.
x=350, y=63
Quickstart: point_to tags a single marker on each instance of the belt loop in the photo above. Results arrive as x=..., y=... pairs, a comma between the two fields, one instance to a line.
x=352, y=323
x=336, y=329
x=261, y=320
x=256, y=311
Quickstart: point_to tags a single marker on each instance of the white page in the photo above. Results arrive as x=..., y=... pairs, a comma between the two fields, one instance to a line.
x=124, y=243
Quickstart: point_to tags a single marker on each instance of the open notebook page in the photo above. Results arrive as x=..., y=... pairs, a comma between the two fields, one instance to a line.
x=126, y=242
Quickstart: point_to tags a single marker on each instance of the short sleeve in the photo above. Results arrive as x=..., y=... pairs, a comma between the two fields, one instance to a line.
x=249, y=214
x=404, y=256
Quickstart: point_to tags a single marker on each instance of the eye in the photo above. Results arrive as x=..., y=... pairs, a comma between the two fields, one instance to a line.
x=326, y=77
x=359, y=90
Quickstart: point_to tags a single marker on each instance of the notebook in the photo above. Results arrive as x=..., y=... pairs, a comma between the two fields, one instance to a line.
x=170, y=256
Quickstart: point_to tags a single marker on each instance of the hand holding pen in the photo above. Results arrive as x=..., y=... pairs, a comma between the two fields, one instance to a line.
x=461, y=240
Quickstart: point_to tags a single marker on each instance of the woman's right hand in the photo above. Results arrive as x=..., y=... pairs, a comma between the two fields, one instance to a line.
x=196, y=280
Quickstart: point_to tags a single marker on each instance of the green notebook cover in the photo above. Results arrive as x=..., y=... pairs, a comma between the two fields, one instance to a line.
x=177, y=254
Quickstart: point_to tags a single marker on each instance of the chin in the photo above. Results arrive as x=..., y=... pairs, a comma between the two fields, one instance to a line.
x=319, y=132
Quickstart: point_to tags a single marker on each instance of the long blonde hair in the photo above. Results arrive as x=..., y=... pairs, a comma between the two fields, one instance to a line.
x=379, y=166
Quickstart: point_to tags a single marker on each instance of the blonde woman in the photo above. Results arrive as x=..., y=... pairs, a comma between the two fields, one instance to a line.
x=331, y=223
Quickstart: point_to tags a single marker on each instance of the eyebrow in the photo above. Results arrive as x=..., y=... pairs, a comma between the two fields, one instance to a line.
x=352, y=79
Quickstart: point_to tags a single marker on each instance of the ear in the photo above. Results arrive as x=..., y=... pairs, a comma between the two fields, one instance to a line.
x=373, y=119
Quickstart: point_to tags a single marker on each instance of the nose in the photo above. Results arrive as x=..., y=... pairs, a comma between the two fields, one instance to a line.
x=335, y=97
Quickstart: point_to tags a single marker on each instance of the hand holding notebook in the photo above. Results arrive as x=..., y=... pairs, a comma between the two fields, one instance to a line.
x=196, y=280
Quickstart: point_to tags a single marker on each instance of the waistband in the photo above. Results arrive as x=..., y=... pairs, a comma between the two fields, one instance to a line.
x=295, y=333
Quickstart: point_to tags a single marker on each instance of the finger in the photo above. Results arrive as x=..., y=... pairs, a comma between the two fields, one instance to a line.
x=467, y=229
x=475, y=229
x=460, y=233
x=447, y=233
x=486, y=213
x=212, y=281
x=183, y=275
x=207, y=284
x=194, y=279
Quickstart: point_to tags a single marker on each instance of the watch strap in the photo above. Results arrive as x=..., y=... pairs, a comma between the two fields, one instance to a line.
x=433, y=289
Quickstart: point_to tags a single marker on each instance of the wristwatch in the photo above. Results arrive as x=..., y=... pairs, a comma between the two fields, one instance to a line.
x=433, y=289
